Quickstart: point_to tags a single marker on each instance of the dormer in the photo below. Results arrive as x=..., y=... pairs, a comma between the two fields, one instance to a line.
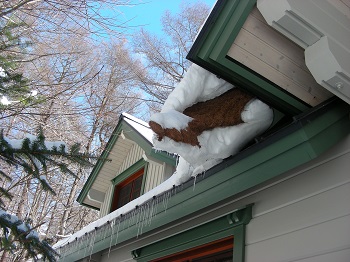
x=127, y=168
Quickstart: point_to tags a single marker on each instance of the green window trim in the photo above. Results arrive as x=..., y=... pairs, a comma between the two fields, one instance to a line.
x=127, y=173
x=233, y=224
x=210, y=52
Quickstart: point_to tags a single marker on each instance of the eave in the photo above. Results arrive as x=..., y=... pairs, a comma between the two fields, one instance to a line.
x=270, y=74
x=322, y=28
x=311, y=134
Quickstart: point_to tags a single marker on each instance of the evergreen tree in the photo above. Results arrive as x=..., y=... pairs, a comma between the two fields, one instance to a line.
x=35, y=156
x=12, y=83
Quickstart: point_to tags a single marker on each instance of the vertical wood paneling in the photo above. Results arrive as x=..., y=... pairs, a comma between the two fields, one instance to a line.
x=154, y=176
x=134, y=155
x=107, y=201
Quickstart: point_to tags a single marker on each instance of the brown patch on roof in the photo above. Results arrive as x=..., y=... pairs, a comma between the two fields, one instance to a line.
x=222, y=111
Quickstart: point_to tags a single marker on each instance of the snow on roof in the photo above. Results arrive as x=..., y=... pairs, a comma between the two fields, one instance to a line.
x=197, y=85
x=200, y=85
x=140, y=126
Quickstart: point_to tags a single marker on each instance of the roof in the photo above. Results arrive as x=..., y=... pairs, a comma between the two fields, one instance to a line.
x=140, y=126
x=128, y=131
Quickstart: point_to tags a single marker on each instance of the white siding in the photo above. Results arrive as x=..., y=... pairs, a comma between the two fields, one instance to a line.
x=304, y=218
x=154, y=175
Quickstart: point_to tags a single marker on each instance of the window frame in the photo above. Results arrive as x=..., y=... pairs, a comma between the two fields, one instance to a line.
x=130, y=174
x=210, y=249
x=231, y=226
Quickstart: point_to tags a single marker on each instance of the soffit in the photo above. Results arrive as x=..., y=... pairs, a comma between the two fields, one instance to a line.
x=322, y=28
x=212, y=45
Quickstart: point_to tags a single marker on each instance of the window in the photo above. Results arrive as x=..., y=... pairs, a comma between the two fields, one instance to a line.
x=127, y=190
x=218, y=240
x=218, y=251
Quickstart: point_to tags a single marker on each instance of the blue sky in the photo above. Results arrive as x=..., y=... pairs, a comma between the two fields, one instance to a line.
x=149, y=14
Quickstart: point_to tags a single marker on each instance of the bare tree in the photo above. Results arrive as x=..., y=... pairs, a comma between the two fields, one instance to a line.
x=165, y=57
x=81, y=88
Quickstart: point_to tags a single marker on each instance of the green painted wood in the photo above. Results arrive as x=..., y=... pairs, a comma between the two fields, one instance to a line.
x=290, y=147
x=239, y=246
x=129, y=171
x=163, y=156
x=212, y=45
x=214, y=230
x=104, y=156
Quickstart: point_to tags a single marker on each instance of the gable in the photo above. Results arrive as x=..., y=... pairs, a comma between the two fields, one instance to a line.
x=129, y=142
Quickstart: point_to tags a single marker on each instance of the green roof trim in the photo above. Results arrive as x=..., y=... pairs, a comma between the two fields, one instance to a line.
x=230, y=225
x=129, y=171
x=134, y=135
x=212, y=44
x=307, y=137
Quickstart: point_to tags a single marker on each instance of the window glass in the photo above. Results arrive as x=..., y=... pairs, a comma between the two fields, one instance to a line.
x=127, y=190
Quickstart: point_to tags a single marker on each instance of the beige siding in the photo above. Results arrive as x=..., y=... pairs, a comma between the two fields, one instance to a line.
x=107, y=202
x=264, y=50
x=134, y=155
x=154, y=175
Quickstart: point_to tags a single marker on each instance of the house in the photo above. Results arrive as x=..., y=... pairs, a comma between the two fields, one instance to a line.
x=285, y=196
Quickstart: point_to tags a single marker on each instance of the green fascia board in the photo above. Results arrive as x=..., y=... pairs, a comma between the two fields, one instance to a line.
x=147, y=146
x=129, y=171
x=290, y=147
x=212, y=44
x=225, y=226
x=102, y=159
x=134, y=135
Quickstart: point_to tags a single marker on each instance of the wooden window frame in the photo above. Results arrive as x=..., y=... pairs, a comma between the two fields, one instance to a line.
x=202, y=251
x=131, y=174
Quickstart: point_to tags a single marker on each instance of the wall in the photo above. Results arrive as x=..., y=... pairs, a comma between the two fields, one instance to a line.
x=154, y=175
x=303, y=216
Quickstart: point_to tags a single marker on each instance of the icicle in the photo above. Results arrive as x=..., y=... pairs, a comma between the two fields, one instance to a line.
x=112, y=223
x=139, y=219
x=152, y=210
x=143, y=218
x=86, y=246
x=148, y=213
x=116, y=239
x=92, y=243
x=194, y=183
x=166, y=198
